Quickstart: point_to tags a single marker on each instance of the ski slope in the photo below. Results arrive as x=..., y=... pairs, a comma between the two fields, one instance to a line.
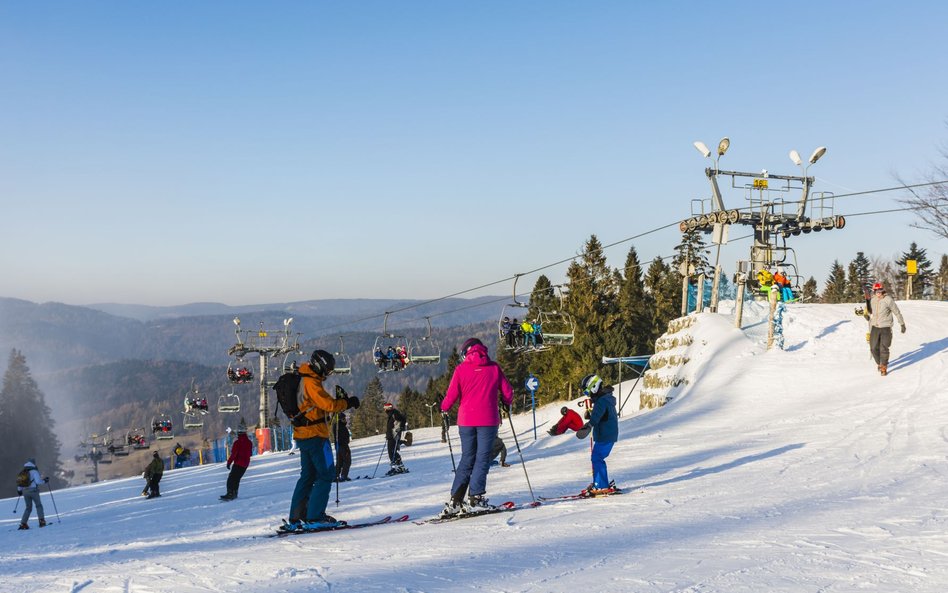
x=784, y=471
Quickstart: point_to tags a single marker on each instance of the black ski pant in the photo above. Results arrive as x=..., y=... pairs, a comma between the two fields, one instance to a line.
x=880, y=338
x=343, y=461
x=233, y=479
x=393, y=456
x=153, y=485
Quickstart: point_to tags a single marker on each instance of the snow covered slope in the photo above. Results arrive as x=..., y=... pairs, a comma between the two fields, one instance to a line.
x=801, y=470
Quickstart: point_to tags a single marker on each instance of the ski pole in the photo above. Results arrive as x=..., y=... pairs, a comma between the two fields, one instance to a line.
x=335, y=448
x=17, y=503
x=447, y=431
x=384, y=446
x=519, y=452
x=52, y=498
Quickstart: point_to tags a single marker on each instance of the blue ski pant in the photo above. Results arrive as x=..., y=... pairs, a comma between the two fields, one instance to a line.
x=600, y=474
x=317, y=473
x=477, y=443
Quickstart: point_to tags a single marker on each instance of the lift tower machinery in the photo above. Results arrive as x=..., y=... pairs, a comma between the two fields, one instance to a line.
x=770, y=210
x=267, y=344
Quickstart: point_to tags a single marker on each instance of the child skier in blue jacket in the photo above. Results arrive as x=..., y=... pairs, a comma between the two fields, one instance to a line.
x=604, y=423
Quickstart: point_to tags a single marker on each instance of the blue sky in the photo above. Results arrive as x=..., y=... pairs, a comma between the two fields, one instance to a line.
x=244, y=152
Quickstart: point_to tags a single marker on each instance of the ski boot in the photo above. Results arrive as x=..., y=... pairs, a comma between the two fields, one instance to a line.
x=23, y=526
x=476, y=503
x=451, y=508
x=43, y=523
x=883, y=369
x=229, y=496
x=291, y=526
x=324, y=522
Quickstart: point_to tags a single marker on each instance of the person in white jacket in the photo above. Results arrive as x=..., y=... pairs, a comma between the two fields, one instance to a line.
x=881, y=310
x=31, y=495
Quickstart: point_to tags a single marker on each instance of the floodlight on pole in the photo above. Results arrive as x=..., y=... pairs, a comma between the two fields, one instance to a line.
x=819, y=152
x=717, y=202
x=723, y=145
x=795, y=157
x=704, y=150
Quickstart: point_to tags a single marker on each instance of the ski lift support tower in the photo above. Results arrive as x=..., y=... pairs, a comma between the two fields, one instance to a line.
x=267, y=344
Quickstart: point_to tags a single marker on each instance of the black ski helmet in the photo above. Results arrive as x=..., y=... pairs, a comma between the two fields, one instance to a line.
x=563, y=410
x=468, y=344
x=322, y=362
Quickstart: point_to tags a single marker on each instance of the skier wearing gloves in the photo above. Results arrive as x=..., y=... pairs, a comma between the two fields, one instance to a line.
x=604, y=423
x=317, y=471
x=30, y=493
x=881, y=309
x=476, y=383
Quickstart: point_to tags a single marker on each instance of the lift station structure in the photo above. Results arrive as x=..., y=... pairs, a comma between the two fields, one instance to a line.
x=770, y=210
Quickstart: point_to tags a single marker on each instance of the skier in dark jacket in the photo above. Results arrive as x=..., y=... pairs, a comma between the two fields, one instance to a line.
x=153, y=474
x=604, y=422
x=238, y=462
x=395, y=426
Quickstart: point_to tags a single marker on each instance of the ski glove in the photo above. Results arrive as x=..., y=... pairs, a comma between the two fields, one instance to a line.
x=552, y=431
x=46, y=479
x=584, y=431
x=352, y=401
x=228, y=466
x=903, y=328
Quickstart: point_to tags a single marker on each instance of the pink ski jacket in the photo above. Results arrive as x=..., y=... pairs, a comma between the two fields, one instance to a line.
x=477, y=382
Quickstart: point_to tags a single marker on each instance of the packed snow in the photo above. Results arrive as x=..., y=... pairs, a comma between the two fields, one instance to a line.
x=768, y=471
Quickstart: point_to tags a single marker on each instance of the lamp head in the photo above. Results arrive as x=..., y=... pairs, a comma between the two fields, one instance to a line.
x=817, y=154
x=705, y=152
x=795, y=157
x=723, y=145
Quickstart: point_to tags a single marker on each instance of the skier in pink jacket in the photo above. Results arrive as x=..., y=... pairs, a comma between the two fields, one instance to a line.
x=477, y=382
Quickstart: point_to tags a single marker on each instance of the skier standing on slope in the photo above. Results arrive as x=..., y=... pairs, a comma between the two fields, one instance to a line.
x=341, y=437
x=881, y=309
x=477, y=381
x=153, y=475
x=238, y=462
x=604, y=423
x=311, y=434
x=395, y=426
x=30, y=493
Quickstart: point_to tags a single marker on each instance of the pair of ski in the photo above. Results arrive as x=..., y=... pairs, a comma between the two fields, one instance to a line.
x=504, y=507
x=581, y=496
x=282, y=532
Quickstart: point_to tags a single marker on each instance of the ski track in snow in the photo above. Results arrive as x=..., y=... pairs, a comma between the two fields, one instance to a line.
x=800, y=470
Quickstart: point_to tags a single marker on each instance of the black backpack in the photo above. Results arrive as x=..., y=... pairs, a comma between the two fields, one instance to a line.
x=286, y=387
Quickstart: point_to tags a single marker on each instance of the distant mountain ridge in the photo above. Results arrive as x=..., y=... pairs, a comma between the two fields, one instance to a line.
x=350, y=308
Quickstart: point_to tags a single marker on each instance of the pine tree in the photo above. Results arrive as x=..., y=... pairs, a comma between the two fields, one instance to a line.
x=369, y=418
x=858, y=278
x=664, y=288
x=635, y=309
x=922, y=283
x=810, y=293
x=835, y=290
x=940, y=285
x=26, y=424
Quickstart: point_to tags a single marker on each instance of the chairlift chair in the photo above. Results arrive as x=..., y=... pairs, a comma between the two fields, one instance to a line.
x=135, y=438
x=509, y=334
x=386, y=350
x=239, y=373
x=229, y=402
x=343, y=363
x=162, y=427
x=192, y=420
x=423, y=350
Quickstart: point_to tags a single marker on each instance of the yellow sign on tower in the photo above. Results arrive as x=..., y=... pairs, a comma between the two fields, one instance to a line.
x=911, y=267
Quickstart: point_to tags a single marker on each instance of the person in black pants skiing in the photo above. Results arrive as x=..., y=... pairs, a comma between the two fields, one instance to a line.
x=395, y=426
x=343, y=453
